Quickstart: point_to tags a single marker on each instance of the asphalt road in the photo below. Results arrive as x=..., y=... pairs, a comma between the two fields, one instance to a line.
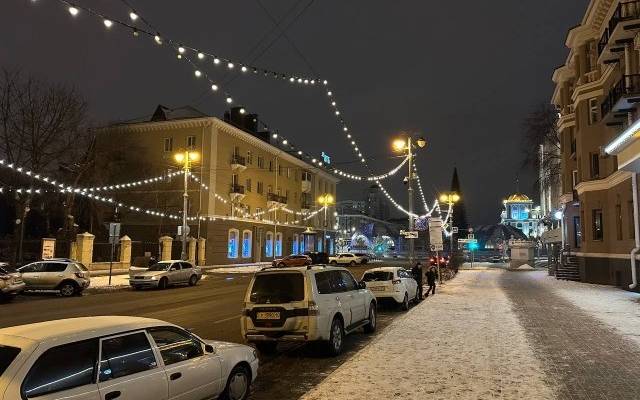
x=211, y=310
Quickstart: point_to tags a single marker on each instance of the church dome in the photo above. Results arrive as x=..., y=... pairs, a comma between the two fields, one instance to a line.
x=518, y=198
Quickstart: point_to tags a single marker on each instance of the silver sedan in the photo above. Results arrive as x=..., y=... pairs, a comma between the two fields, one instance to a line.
x=164, y=274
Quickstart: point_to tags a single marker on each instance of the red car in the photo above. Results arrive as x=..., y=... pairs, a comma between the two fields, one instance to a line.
x=444, y=261
x=294, y=260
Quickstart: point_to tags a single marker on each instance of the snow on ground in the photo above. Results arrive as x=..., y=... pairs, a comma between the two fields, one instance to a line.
x=248, y=269
x=463, y=343
x=617, y=308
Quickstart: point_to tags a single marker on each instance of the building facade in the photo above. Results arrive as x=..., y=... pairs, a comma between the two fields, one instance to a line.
x=251, y=195
x=597, y=92
x=520, y=213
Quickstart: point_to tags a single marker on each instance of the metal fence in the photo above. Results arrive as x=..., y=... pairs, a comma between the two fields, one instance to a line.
x=102, y=252
x=31, y=251
x=142, y=249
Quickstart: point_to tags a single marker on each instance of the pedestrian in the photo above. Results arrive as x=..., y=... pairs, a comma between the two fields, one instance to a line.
x=431, y=280
x=417, y=274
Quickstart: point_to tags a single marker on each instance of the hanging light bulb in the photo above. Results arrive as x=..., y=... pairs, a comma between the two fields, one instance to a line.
x=180, y=49
x=214, y=87
x=242, y=111
x=292, y=79
x=158, y=39
x=329, y=93
x=275, y=136
x=108, y=23
x=285, y=142
x=73, y=11
x=133, y=16
x=200, y=55
x=243, y=69
x=229, y=100
x=197, y=73
x=325, y=82
x=216, y=61
x=230, y=65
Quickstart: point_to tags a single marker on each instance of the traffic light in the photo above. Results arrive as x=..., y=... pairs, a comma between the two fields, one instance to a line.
x=473, y=246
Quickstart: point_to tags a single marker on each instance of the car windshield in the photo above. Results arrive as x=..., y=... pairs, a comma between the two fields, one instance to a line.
x=277, y=288
x=159, y=267
x=7, y=355
x=377, y=276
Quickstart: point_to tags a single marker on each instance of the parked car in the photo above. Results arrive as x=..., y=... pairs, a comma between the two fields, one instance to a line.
x=394, y=283
x=165, y=273
x=11, y=283
x=497, y=259
x=110, y=357
x=293, y=260
x=64, y=275
x=364, y=257
x=306, y=304
x=444, y=261
x=345, y=259
x=318, y=257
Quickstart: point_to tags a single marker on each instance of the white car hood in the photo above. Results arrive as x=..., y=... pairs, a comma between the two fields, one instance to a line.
x=148, y=274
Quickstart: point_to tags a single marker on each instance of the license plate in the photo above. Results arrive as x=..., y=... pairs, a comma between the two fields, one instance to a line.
x=377, y=289
x=268, y=315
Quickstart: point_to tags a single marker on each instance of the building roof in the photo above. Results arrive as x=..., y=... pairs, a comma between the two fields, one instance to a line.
x=518, y=198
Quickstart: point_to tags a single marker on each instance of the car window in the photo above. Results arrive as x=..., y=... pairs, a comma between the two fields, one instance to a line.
x=161, y=266
x=81, y=267
x=125, y=355
x=377, y=276
x=176, y=345
x=54, y=267
x=176, y=266
x=35, y=267
x=348, y=281
x=323, y=282
x=277, y=288
x=62, y=368
x=7, y=355
x=186, y=265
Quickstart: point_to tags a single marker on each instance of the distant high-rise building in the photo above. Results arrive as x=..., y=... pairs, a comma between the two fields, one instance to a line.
x=375, y=205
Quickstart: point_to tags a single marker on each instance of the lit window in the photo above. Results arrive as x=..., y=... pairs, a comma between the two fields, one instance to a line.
x=268, y=245
x=294, y=246
x=279, y=244
x=191, y=142
x=246, y=243
x=168, y=144
x=232, y=247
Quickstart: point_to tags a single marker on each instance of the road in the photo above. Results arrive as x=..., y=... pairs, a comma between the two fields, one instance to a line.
x=211, y=310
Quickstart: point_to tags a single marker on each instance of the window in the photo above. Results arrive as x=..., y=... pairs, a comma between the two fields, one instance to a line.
x=324, y=282
x=294, y=245
x=176, y=345
x=574, y=178
x=301, y=244
x=125, y=355
x=618, y=222
x=269, y=189
x=268, y=245
x=248, y=185
x=347, y=283
x=168, y=144
x=7, y=355
x=246, y=243
x=191, y=142
x=594, y=111
x=279, y=170
x=595, y=165
x=62, y=368
x=279, y=244
x=234, y=179
x=288, y=172
x=597, y=225
x=286, y=195
x=236, y=151
x=259, y=212
x=630, y=224
x=249, y=157
x=277, y=288
x=260, y=162
x=260, y=188
x=270, y=166
x=232, y=246
x=54, y=267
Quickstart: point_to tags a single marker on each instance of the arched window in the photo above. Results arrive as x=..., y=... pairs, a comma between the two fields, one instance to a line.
x=279, y=244
x=301, y=244
x=268, y=245
x=294, y=246
x=246, y=243
x=232, y=243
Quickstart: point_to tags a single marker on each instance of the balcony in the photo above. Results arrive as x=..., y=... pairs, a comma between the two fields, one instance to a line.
x=276, y=201
x=622, y=98
x=236, y=193
x=567, y=117
x=238, y=163
x=621, y=29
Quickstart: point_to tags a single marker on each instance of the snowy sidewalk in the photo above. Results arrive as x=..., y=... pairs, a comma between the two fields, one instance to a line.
x=463, y=343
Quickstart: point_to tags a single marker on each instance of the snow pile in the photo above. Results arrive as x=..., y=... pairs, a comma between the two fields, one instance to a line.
x=463, y=343
x=247, y=269
x=103, y=281
x=617, y=308
x=525, y=267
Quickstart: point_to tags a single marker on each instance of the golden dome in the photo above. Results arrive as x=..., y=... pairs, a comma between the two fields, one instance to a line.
x=518, y=198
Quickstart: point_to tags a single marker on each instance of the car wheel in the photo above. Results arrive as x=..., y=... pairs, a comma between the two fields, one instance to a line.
x=193, y=280
x=373, y=319
x=336, y=338
x=352, y=263
x=238, y=384
x=67, y=289
x=136, y=287
x=281, y=265
x=405, y=302
x=334, y=262
x=162, y=284
x=267, y=347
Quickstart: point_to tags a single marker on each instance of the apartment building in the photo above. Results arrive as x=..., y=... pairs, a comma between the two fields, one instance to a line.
x=252, y=195
x=597, y=92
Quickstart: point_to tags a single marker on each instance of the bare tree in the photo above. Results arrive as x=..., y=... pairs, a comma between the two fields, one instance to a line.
x=541, y=144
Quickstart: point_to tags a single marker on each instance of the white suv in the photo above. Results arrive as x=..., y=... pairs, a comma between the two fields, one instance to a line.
x=392, y=283
x=314, y=303
x=346, y=259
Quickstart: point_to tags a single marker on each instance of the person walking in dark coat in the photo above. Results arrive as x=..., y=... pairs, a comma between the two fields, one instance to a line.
x=417, y=274
x=432, y=275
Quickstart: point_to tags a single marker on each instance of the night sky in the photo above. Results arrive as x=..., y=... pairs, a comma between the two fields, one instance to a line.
x=461, y=73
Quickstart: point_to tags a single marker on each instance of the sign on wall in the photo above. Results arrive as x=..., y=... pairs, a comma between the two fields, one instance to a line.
x=48, y=248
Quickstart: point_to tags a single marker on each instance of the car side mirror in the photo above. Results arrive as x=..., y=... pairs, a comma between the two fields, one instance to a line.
x=362, y=285
x=209, y=348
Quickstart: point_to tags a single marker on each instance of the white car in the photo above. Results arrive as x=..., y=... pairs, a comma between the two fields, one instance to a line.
x=392, y=283
x=345, y=259
x=305, y=304
x=112, y=357
x=165, y=273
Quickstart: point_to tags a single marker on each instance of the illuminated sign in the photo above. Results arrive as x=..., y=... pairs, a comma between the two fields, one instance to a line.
x=325, y=158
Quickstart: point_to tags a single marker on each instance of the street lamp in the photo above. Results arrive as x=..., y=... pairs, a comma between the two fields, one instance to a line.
x=185, y=158
x=326, y=200
x=450, y=199
x=401, y=145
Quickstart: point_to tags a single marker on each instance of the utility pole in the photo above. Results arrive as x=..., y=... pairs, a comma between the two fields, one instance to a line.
x=410, y=193
x=185, y=158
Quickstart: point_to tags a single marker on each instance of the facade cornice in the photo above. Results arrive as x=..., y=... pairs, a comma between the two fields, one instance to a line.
x=603, y=184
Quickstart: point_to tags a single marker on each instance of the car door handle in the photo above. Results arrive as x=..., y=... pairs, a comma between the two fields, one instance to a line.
x=175, y=376
x=112, y=395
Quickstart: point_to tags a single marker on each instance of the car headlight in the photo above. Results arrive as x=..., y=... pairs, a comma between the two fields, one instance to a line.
x=153, y=278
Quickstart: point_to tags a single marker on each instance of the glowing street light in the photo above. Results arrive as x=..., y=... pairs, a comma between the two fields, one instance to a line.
x=185, y=159
x=326, y=200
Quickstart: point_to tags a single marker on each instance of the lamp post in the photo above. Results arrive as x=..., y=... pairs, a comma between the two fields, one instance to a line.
x=450, y=199
x=408, y=145
x=185, y=158
x=326, y=200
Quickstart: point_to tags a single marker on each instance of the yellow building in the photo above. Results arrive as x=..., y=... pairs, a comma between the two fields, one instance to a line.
x=251, y=194
x=597, y=93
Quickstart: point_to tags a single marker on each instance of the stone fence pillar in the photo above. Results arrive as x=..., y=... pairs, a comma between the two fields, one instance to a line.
x=84, y=248
x=191, y=250
x=202, y=253
x=165, y=244
x=125, y=251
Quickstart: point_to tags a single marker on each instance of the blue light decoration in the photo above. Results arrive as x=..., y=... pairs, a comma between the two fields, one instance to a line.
x=246, y=245
x=294, y=246
x=325, y=158
x=268, y=246
x=421, y=224
x=232, y=248
x=474, y=246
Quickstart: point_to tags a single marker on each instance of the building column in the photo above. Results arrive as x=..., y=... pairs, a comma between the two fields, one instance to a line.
x=125, y=251
x=84, y=250
x=202, y=251
x=165, y=244
x=191, y=250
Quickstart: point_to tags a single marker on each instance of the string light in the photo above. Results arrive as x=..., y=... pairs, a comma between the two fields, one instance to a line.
x=108, y=23
x=133, y=16
x=73, y=10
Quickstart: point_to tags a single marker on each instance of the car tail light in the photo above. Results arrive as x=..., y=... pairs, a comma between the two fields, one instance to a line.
x=396, y=281
x=313, y=308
